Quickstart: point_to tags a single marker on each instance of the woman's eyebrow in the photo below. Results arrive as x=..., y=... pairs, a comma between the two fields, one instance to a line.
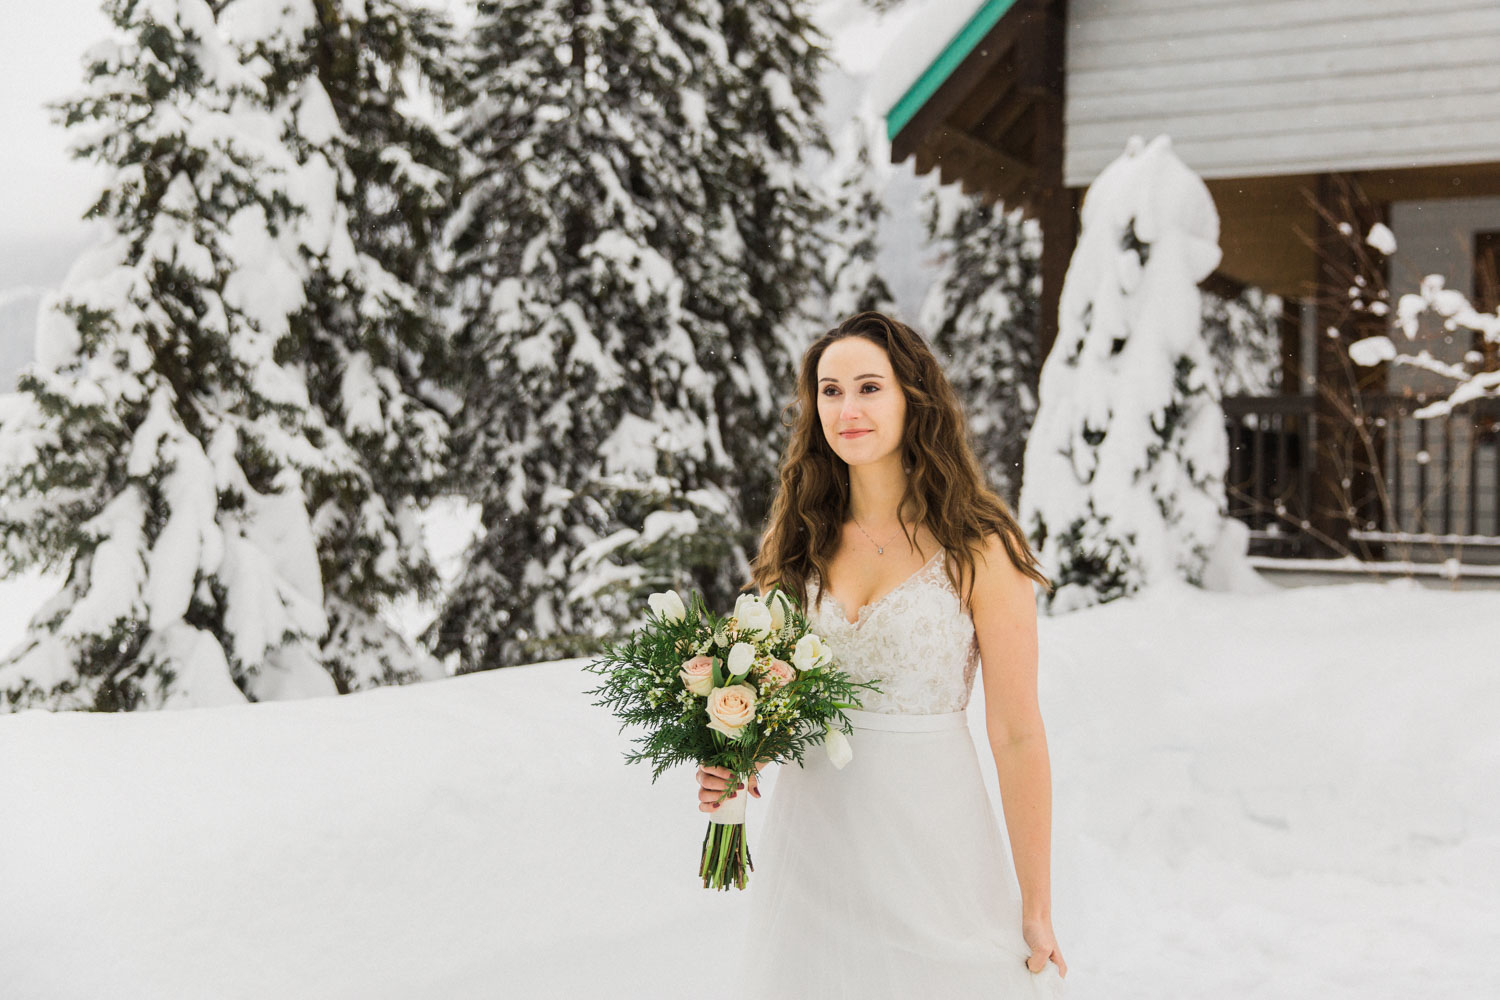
x=830, y=378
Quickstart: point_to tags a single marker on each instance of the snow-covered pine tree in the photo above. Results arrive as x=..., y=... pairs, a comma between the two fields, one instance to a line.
x=158, y=450
x=1244, y=337
x=371, y=336
x=628, y=257
x=858, y=182
x=1124, y=469
x=588, y=414
x=764, y=104
x=166, y=439
x=982, y=312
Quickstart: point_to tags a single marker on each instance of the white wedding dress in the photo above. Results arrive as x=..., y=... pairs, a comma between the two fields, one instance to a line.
x=890, y=877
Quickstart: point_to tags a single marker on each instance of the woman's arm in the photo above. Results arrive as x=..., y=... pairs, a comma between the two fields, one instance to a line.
x=1003, y=605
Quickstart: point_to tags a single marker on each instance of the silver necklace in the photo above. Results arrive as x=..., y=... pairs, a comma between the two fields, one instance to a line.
x=879, y=548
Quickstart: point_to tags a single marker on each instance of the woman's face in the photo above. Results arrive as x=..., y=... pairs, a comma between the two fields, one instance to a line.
x=857, y=391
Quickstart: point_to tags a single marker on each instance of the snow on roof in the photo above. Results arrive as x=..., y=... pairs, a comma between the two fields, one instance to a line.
x=899, y=48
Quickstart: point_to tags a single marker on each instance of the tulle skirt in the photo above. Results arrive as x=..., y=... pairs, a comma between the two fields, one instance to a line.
x=887, y=878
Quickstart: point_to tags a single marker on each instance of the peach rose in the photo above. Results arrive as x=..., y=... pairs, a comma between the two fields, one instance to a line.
x=698, y=674
x=781, y=672
x=731, y=709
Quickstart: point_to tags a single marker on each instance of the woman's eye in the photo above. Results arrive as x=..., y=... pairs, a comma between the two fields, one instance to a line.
x=868, y=385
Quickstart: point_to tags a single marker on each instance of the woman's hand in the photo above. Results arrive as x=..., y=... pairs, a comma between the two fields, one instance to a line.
x=1043, y=944
x=713, y=780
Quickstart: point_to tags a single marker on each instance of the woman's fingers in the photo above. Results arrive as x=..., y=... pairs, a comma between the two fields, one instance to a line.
x=716, y=778
x=709, y=800
x=713, y=780
x=1037, y=961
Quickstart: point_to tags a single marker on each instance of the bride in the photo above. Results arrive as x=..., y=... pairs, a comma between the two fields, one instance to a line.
x=888, y=877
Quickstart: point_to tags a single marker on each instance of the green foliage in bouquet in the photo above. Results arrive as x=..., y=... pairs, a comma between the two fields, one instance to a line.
x=644, y=687
x=755, y=687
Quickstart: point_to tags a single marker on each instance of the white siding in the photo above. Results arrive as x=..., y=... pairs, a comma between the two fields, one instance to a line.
x=1253, y=87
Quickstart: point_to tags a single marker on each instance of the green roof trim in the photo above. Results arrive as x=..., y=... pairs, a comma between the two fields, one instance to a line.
x=954, y=53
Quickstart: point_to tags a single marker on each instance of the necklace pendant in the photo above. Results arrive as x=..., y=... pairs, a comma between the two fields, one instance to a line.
x=879, y=551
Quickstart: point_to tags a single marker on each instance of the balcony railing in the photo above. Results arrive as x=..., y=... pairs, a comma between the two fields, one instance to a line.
x=1424, y=486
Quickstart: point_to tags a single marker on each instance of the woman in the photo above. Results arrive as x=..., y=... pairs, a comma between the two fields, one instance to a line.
x=888, y=878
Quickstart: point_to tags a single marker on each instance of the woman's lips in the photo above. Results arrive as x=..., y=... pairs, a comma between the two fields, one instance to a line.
x=853, y=434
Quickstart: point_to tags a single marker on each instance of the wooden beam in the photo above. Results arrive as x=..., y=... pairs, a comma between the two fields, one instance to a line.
x=1004, y=117
x=981, y=104
x=926, y=158
x=989, y=158
x=997, y=41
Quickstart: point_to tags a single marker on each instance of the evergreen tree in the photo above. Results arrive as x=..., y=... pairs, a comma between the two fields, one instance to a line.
x=1125, y=464
x=1244, y=338
x=982, y=312
x=851, y=274
x=628, y=256
x=372, y=336
x=764, y=103
x=168, y=448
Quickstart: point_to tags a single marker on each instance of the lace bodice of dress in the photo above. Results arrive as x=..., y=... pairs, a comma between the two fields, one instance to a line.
x=918, y=641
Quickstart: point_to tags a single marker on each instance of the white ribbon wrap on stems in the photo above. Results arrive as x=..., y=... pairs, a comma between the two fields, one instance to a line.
x=731, y=810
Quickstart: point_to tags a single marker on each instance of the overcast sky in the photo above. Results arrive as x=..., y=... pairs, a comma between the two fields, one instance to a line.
x=43, y=192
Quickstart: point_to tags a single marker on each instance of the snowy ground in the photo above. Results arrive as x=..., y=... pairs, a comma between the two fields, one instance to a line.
x=1281, y=795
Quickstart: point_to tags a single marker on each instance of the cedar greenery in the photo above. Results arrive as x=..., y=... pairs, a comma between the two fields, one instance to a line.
x=643, y=687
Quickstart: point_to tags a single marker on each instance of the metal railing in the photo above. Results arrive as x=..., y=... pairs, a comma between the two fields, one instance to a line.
x=1431, y=482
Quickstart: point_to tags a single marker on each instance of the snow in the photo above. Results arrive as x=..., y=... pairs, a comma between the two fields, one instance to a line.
x=902, y=44
x=1285, y=794
x=1372, y=350
x=1381, y=238
x=1125, y=461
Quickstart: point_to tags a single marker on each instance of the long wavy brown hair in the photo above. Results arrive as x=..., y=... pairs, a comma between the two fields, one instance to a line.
x=945, y=487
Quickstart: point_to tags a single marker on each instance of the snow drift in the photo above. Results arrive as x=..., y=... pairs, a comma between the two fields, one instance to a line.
x=1273, y=795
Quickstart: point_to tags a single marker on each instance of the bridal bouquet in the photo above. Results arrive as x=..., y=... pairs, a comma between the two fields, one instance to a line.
x=755, y=687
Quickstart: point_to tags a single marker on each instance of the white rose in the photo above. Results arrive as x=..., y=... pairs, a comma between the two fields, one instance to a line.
x=667, y=605
x=837, y=745
x=731, y=709
x=810, y=651
x=741, y=656
x=751, y=615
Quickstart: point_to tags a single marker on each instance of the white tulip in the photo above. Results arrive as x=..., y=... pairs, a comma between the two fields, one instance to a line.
x=780, y=608
x=837, y=745
x=751, y=615
x=667, y=605
x=810, y=651
x=741, y=656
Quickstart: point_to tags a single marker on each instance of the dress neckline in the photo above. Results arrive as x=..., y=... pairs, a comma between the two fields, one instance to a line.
x=865, y=609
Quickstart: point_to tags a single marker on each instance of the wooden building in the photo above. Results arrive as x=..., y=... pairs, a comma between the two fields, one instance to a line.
x=1310, y=120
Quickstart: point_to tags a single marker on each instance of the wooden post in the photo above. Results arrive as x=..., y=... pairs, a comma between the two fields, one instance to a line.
x=1056, y=205
x=1289, y=326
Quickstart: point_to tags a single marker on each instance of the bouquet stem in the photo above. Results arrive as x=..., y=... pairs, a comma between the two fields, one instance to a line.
x=726, y=851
